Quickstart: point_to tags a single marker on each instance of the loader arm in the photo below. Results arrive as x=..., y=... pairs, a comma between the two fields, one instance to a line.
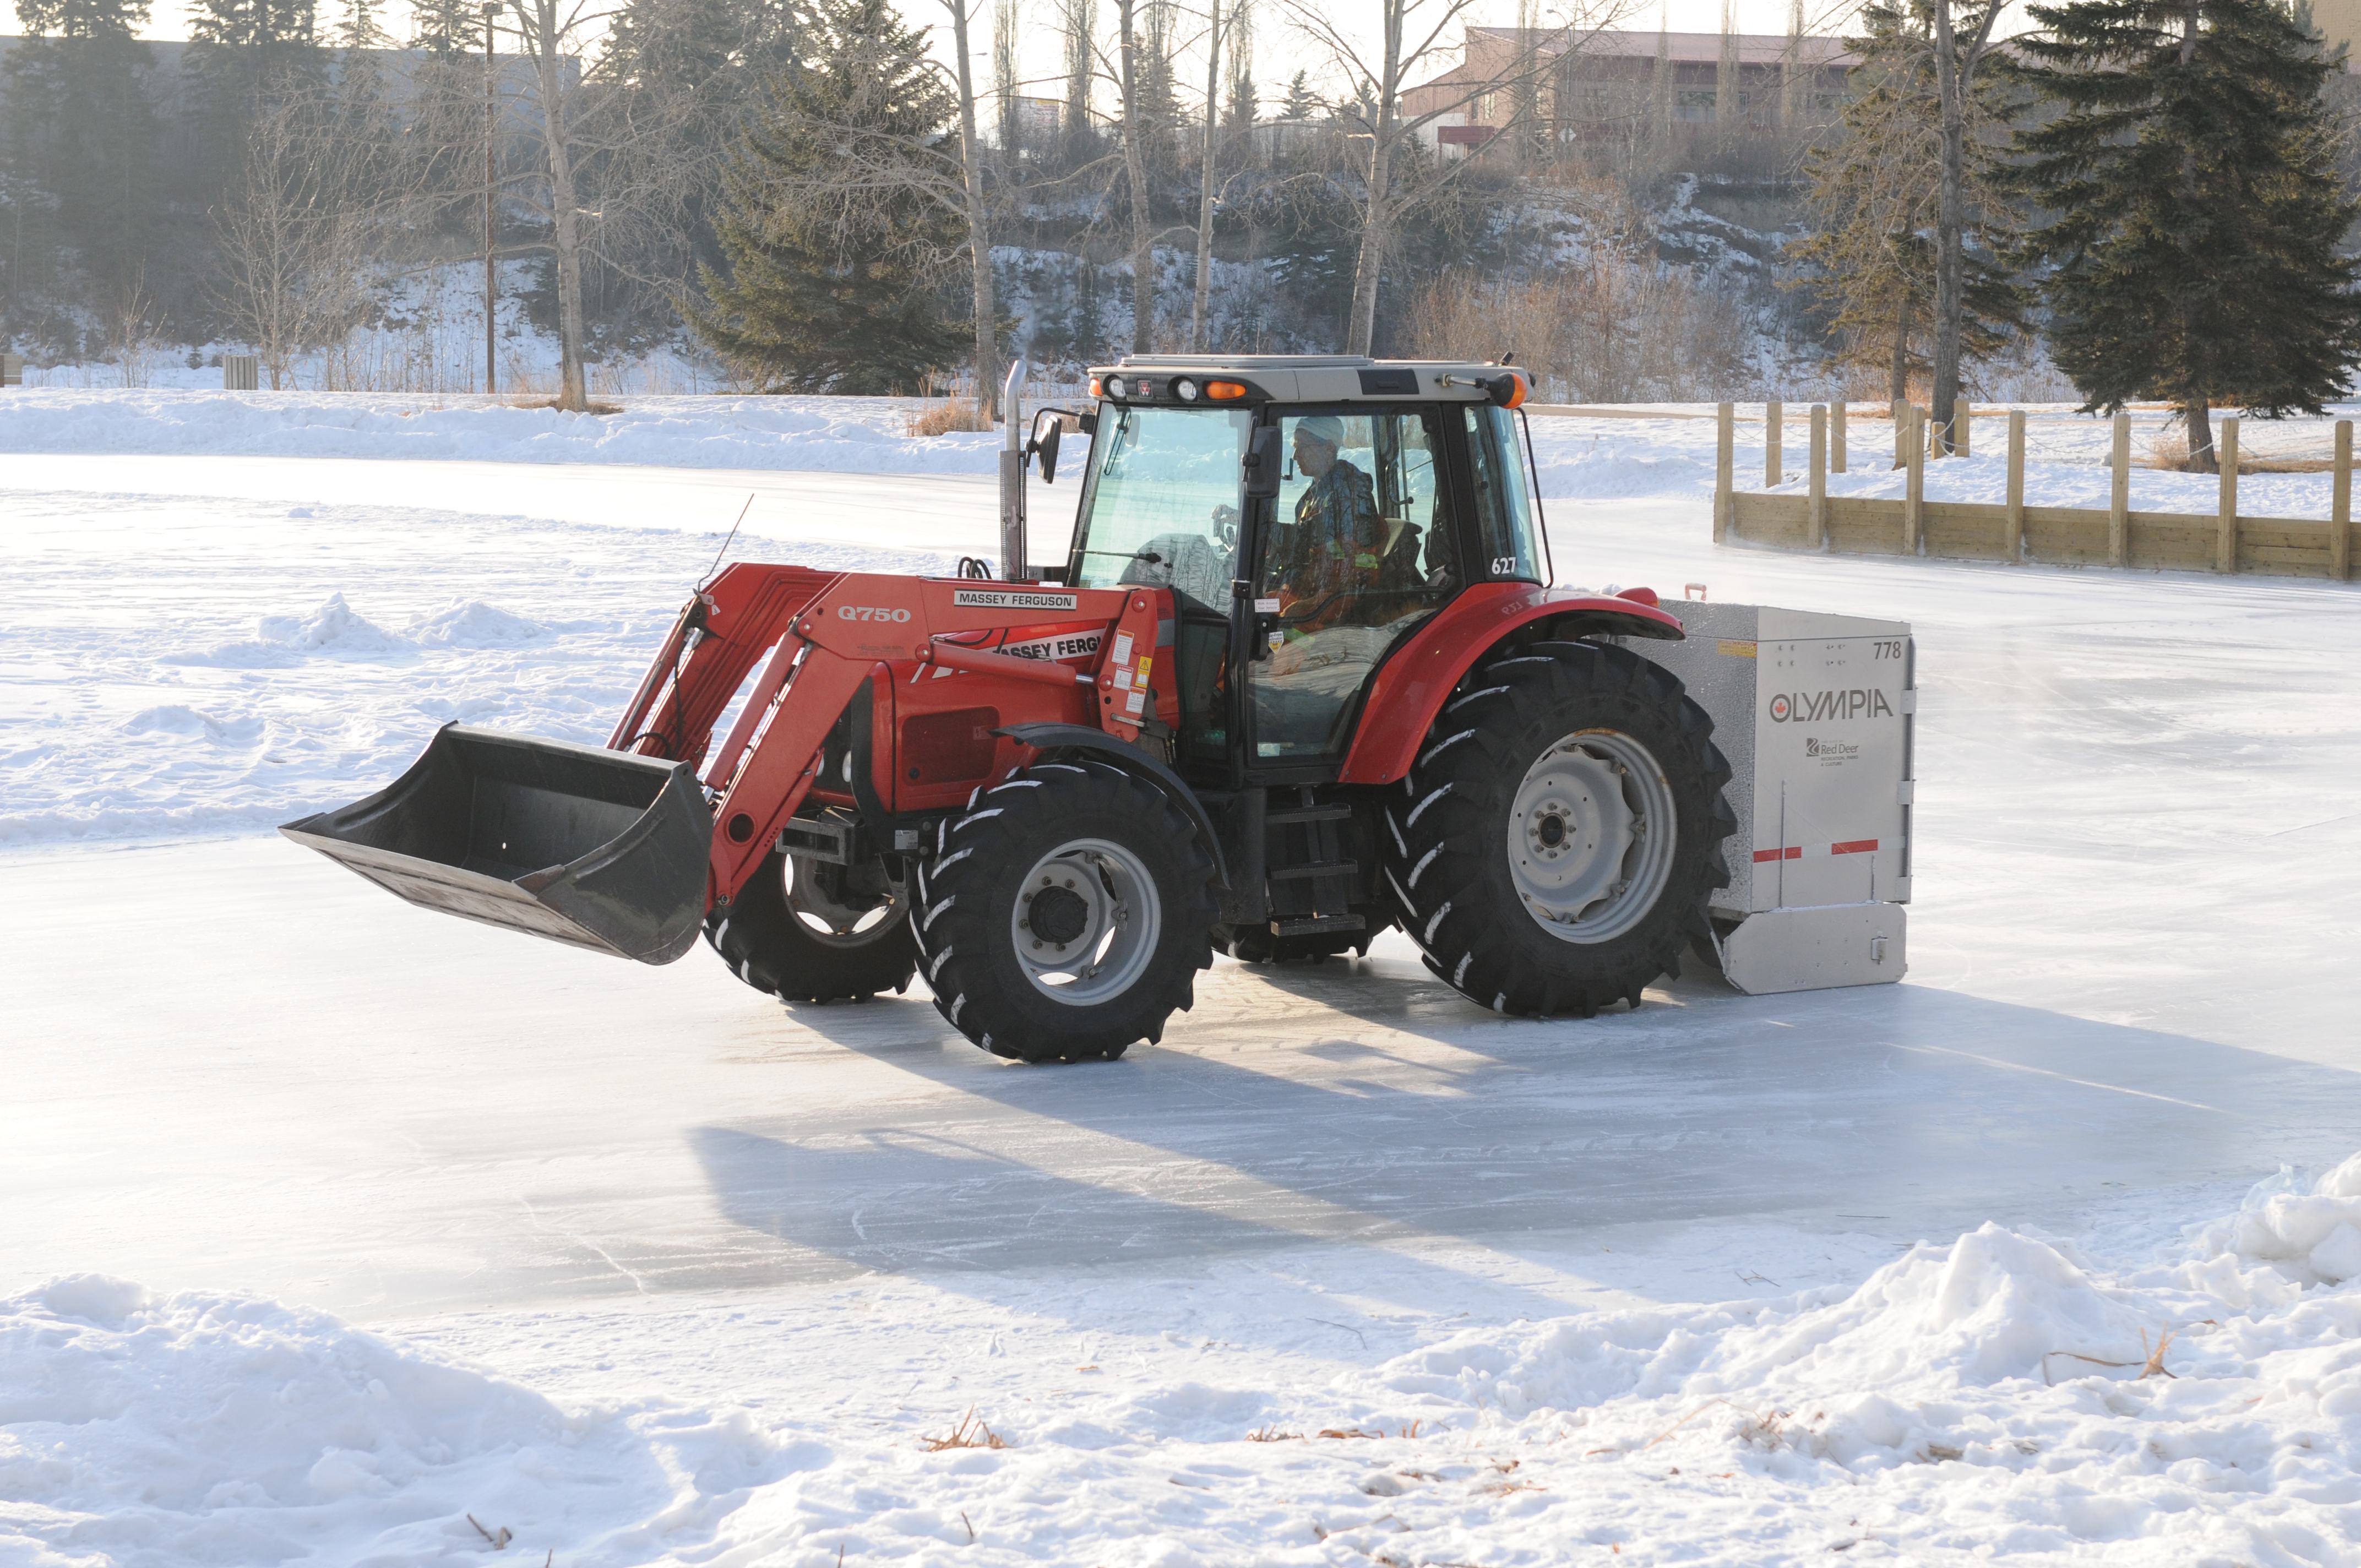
x=817, y=637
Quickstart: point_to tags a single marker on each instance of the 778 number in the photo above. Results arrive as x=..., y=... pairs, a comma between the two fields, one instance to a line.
x=1888, y=648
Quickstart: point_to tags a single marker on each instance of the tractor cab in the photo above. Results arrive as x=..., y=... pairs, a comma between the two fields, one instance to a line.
x=1308, y=515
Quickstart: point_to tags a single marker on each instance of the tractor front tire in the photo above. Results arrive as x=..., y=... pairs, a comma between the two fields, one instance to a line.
x=1558, y=835
x=1065, y=913
x=815, y=947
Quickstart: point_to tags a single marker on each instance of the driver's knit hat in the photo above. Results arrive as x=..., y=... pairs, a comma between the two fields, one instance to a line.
x=1326, y=429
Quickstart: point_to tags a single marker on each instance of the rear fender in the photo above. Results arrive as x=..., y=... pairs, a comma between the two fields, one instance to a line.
x=1132, y=759
x=1411, y=686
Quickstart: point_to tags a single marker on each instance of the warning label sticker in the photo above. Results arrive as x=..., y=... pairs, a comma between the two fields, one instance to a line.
x=1012, y=598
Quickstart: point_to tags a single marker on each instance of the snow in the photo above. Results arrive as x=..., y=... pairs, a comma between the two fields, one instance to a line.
x=431, y=1221
x=819, y=434
x=2003, y=1392
x=2066, y=460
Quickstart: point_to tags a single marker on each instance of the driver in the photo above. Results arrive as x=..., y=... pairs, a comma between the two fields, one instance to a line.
x=1333, y=553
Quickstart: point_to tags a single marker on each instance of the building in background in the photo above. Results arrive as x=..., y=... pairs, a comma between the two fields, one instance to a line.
x=1617, y=83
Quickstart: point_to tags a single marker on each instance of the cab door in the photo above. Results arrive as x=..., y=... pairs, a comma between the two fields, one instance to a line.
x=1358, y=549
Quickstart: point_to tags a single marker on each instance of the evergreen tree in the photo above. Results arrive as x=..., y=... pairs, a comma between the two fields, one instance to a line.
x=1302, y=102
x=83, y=150
x=444, y=28
x=675, y=89
x=255, y=45
x=1874, y=191
x=832, y=278
x=245, y=59
x=2192, y=210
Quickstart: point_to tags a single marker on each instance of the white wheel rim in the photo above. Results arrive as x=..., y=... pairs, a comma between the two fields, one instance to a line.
x=1098, y=919
x=1591, y=835
x=827, y=922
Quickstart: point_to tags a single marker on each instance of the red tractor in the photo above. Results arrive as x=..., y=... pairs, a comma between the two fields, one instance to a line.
x=1301, y=677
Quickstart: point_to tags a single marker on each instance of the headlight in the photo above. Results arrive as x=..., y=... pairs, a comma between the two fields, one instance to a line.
x=1185, y=389
x=1115, y=386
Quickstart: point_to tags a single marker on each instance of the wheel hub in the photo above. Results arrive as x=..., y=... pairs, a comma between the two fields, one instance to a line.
x=1058, y=915
x=1590, y=835
x=1086, y=922
x=839, y=905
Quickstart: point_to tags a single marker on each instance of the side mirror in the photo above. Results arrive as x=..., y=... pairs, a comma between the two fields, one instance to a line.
x=1261, y=467
x=1047, y=429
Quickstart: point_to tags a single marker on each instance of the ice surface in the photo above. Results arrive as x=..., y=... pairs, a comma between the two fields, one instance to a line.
x=655, y=1271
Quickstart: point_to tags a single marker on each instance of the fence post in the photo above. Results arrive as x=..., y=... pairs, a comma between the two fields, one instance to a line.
x=2340, y=512
x=1901, y=435
x=1725, y=505
x=2225, y=547
x=2119, y=493
x=1961, y=414
x=2017, y=550
x=1817, y=509
x=1775, y=468
x=1914, y=489
x=1836, y=437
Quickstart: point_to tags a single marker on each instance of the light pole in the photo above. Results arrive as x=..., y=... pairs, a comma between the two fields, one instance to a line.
x=491, y=127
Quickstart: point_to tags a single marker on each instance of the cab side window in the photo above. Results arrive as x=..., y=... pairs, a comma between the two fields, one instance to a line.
x=1505, y=522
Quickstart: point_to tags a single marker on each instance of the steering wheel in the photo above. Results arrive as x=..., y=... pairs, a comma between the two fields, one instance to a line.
x=1225, y=527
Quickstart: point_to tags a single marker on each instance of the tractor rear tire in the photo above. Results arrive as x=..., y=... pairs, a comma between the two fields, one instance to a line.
x=1065, y=913
x=1529, y=845
x=767, y=942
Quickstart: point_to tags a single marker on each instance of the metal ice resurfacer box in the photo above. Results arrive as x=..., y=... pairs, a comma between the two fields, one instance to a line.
x=1815, y=714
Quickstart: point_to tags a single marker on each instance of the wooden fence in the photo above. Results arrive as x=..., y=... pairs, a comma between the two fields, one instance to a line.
x=2222, y=541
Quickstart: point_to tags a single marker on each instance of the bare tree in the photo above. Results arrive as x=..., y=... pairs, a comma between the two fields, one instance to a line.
x=1958, y=50
x=1411, y=41
x=1875, y=196
x=549, y=31
x=979, y=226
x=293, y=249
x=1131, y=49
x=1078, y=38
x=1207, y=174
x=1007, y=23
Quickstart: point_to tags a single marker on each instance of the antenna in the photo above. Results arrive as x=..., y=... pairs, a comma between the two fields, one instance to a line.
x=725, y=542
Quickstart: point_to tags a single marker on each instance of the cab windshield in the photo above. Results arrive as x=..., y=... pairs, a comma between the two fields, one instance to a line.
x=1161, y=503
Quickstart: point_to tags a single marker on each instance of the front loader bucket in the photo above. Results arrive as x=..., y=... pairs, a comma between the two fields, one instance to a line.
x=599, y=848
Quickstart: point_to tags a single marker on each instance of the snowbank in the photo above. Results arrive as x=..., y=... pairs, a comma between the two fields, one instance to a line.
x=204, y=1428
x=1999, y=1395
x=2002, y=1393
x=857, y=435
x=1577, y=457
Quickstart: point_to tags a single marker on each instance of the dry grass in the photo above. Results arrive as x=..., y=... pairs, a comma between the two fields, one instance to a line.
x=969, y=1432
x=1410, y=1431
x=2168, y=449
x=1611, y=326
x=589, y=406
x=950, y=414
x=2153, y=1367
